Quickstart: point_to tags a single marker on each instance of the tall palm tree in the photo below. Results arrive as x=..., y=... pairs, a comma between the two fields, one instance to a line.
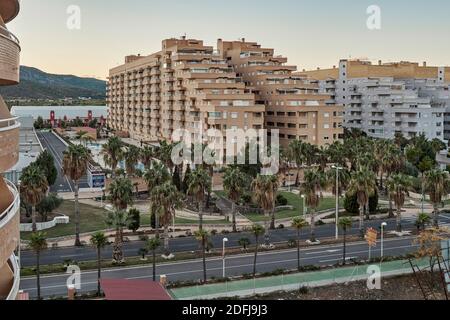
x=156, y=175
x=147, y=154
x=234, y=183
x=118, y=220
x=33, y=188
x=75, y=164
x=264, y=194
x=312, y=187
x=113, y=153
x=345, y=224
x=199, y=184
x=299, y=223
x=257, y=231
x=344, y=178
x=164, y=154
x=202, y=236
x=391, y=161
x=296, y=154
x=121, y=193
x=132, y=157
x=363, y=184
x=437, y=185
x=153, y=245
x=99, y=240
x=38, y=243
x=166, y=199
x=398, y=186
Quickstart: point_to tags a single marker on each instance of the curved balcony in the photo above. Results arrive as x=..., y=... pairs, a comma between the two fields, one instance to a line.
x=9, y=143
x=9, y=9
x=9, y=57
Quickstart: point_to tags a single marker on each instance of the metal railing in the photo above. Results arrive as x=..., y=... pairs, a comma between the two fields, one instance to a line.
x=11, y=123
x=6, y=34
x=13, y=208
x=16, y=284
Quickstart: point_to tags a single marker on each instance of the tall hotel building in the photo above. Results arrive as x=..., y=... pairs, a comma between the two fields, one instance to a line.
x=9, y=153
x=192, y=86
x=390, y=98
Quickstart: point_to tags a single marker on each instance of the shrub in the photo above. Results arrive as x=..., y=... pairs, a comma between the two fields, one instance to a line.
x=281, y=226
x=281, y=201
x=134, y=222
x=292, y=243
x=303, y=290
x=351, y=203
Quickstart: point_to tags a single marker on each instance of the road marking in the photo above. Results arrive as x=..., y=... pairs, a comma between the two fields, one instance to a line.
x=338, y=259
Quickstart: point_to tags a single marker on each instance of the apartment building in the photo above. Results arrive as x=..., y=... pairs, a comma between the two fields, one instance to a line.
x=385, y=99
x=9, y=153
x=186, y=85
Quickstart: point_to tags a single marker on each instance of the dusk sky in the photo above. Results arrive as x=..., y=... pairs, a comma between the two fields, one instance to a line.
x=310, y=33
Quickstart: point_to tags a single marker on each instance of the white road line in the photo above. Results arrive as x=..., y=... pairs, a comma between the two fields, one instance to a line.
x=338, y=259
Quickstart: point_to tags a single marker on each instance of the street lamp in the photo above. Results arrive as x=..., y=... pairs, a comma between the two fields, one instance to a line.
x=304, y=205
x=225, y=240
x=383, y=225
x=337, y=168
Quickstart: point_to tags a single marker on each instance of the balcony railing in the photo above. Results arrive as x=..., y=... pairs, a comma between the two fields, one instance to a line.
x=13, y=208
x=9, y=59
x=16, y=283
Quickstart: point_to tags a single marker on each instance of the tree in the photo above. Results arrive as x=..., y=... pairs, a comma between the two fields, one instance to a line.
x=344, y=178
x=131, y=156
x=398, y=186
x=244, y=243
x=185, y=184
x=134, y=219
x=33, y=188
x=257, y=231
x=121, y=193
x=296, y=154
x=117, y=220
x=202, y=236
x=99, y=240
x=264, y=194
x=362, y=183
x=176, y=179
x=234, y=182
x=164, y=154
x=48, y=205
x=147, y=154
x=437, y=185
x=312, y=189
x=199, y=184
x=38, y=243
x=75, y=164
x=422, y=221
x=345, y=224
x=156, y=175
x=153, y=245
x=113, y=153
x=46, y=162
x=299, y=223
x=39, y=123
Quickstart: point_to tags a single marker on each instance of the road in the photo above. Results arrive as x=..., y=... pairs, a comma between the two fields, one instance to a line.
x=56, y=147
x=55, y=285
x=55, y=256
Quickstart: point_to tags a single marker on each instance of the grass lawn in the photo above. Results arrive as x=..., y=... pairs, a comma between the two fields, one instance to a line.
x=91, y=219
x=297, y=203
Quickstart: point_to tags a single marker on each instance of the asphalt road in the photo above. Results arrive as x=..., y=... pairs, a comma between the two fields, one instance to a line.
x=59, y=255
x=56, y=147
x=55, y=285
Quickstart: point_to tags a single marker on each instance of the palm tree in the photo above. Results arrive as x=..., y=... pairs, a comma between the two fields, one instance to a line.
x=312, y=189
x=257, y=231
x=199, y=184
x=38, y=243
x=391, y=161
x=164, y=154
x=99, y=240
x=345, y=224
x=113, y=153
x=244, y=243
x=422, y=220
x=156, y=175
x=362, y=183
x=153, y=245
x=398, y=186
x=166, y=198
x=234, y=182
x=344, y=178
x=131, y=156
x=121, y=193
x=202, y=236
x=117, y=220
x=147, y=154
x=75, y=164
x=437, y=185
x=299, y=223
x=296, y=154
x=33, y=188
x=264, y=194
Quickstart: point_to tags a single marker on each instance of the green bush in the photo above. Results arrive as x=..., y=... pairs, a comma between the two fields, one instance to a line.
x=351, y=203
x=134, y=222
x=281, y=201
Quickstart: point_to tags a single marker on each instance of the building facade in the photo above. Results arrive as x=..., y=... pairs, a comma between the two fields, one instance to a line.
x=9, y=153
x=387, y=99
x=191, y=86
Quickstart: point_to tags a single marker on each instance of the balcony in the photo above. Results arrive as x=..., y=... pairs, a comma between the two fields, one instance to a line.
x=9, y=143
x=10, y=57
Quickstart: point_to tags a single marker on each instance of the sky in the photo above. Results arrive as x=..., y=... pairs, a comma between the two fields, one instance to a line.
x=311, y=33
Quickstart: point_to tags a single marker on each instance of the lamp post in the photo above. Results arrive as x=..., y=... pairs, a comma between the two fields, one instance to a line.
x=337, y=168
x=383, y=225
x=225, y=240
x=304, y=205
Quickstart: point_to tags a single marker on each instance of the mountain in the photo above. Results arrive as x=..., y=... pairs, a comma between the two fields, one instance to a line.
x=37, y=84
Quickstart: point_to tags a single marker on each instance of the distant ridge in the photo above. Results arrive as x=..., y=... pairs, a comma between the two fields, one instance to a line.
x=37, y=84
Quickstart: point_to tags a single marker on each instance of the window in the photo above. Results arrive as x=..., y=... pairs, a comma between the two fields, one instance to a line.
x=234, y=115
x=326, y=126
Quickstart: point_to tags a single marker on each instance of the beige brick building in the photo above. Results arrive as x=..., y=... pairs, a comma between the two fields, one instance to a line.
x=191, y=86
x=9, y=153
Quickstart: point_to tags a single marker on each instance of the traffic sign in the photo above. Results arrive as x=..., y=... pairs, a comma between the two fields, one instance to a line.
x=371, y=237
